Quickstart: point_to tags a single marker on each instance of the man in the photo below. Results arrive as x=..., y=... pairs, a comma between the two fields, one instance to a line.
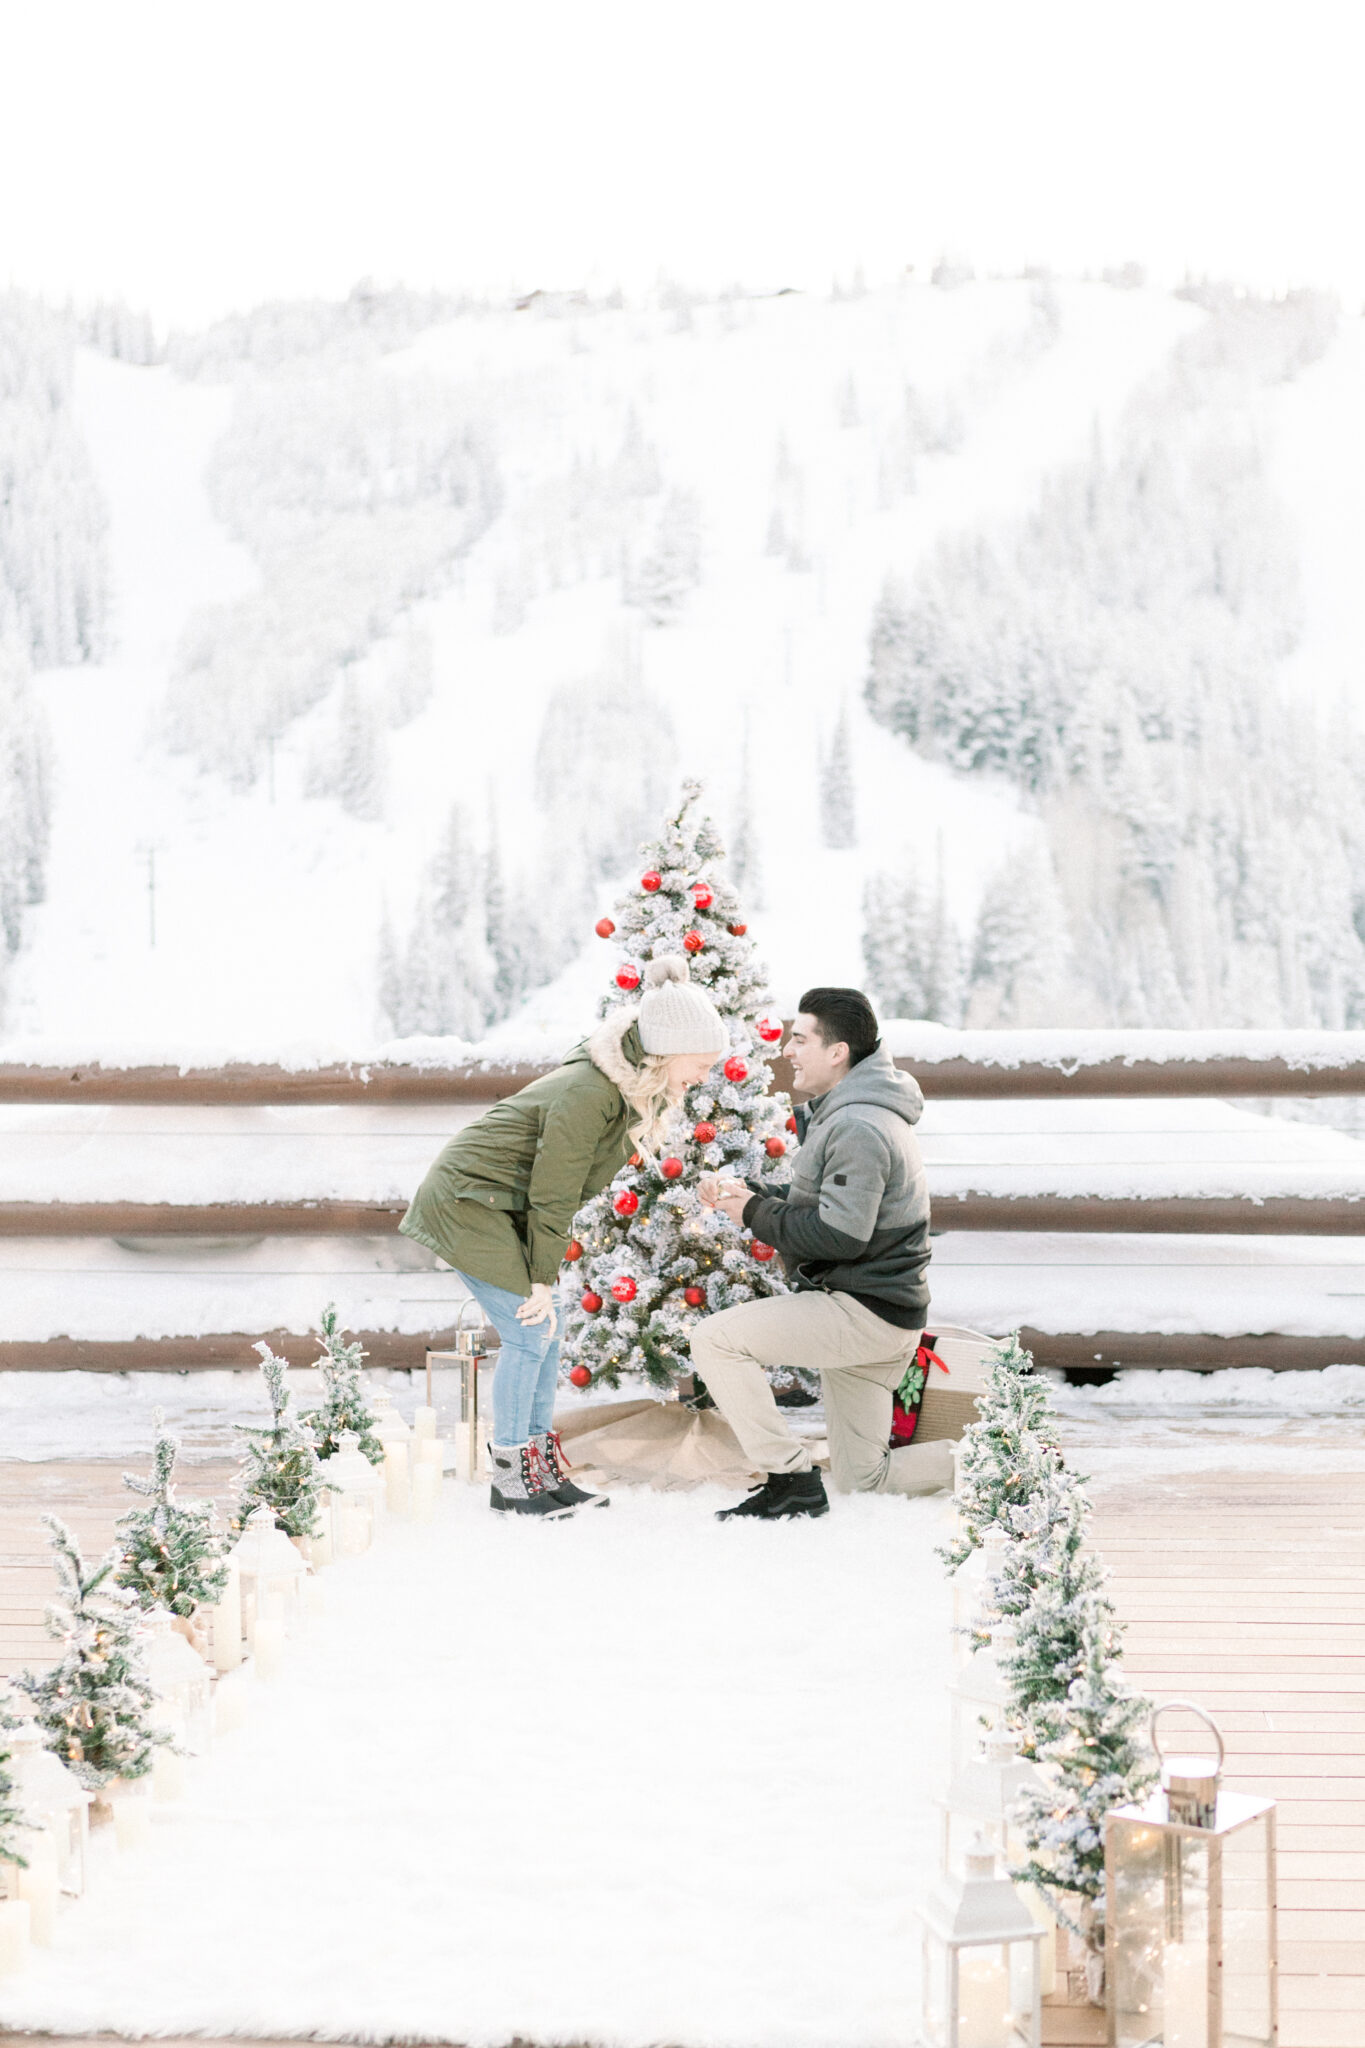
x=853, y=1230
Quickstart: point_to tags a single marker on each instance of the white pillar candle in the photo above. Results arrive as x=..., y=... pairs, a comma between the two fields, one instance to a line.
x=983, y=2003
x=1185, y=2006
x=229, y=1706
x=227, y=1624
x=39, y=1883
x=249, y=1617
x=432, y=1452
x=423, y=1423
x=132, y=1821
x=423, y=1493
x=396, y=1478
x=15, y=1924
x=324, y=1544
x=268, y=1650
x=168, y=1775
x=314, y=1596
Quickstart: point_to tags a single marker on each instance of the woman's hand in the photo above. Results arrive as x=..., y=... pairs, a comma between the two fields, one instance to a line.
x=539, y=1304
x=729, y=1196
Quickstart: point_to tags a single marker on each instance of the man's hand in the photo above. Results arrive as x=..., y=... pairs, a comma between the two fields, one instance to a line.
x=729, y=1196
x=539, y=1304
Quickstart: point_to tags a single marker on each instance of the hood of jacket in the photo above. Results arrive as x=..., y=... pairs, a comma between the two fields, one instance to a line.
x=876, y=1081
x=614, y=1048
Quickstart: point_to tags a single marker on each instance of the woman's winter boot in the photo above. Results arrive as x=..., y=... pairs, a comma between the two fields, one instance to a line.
x=520, y=1482
x=551, y=1453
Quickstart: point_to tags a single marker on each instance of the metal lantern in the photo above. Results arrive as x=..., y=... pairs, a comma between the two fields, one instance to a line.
x=52, y=1798
x=981, y=1985
x=1190, y=1944
x=978, y=1696
x=355, y=1503
x=980, y=1800
x=471, y=1362
x=181, y=1677
x=272, y=1573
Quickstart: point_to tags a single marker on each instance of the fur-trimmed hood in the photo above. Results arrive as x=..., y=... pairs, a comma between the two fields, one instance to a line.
x=614, y=1047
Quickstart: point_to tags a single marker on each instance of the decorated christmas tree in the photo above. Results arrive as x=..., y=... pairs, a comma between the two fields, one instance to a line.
x=1097, y=1760
x=95, y=1704
x=1006, y=1453
x=648, y=1259
x=171, y=1556
x=280, y=1470
x=346, y=1405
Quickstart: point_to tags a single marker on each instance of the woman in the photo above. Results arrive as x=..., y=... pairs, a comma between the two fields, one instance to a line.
x=498, y=1203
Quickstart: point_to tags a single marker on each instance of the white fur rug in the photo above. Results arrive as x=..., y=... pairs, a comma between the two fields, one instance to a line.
x=632, y=1779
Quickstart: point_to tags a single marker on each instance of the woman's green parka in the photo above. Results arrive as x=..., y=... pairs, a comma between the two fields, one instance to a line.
x=499, y=1200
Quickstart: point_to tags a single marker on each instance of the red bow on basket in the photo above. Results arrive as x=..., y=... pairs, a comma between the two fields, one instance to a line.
x=908, y=1398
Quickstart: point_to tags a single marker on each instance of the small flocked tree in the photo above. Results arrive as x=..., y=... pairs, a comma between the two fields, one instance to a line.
x=11, y=1813
x=1006, y=1453
x=346, y=1405
x=280, y=1470
x=1052, y=1588
x=648, y=1260
x=95, y=1704
x=1097, y=1760
x=171, y=1554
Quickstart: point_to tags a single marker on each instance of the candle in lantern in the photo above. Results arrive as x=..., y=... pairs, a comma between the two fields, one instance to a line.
x=15, y=1924
x=396, y=1486
x=227, y=1624
x=424, y=1484
x=321, y=1548
x=229, y=1706
x=39, y=1884
x=1186, y=1995
x=132, y=1821
x=168, y=1775
x=984, y=2017
x=269, y=1640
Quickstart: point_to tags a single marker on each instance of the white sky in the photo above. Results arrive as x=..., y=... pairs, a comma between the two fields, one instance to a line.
x=194, y=156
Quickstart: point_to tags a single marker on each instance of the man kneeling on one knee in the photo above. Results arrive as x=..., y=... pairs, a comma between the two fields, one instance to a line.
x=853, y=1230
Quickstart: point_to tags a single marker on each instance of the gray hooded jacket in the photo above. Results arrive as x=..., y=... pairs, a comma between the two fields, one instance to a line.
x=855, y=1217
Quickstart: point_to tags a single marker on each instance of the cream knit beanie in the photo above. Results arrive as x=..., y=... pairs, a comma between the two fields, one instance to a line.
x=675, y=1016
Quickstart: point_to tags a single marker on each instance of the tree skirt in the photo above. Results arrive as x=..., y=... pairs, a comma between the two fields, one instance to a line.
x=655, y=1443
x=634, y=1778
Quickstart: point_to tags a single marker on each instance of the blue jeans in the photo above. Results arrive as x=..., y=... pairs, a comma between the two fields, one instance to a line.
x=527, y=1370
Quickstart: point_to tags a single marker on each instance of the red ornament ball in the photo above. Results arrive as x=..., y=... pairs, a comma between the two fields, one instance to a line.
x=590, y=1301
x=792, y=1124
x=701, y=895
x=737, y=931
x=580, y=1376
x=671, y=1169
x=604, y=929
x=774, y=1147
x=635, y=1159
x=627, y=976
x=693, y=942
x=703, y=1133
x=573, y=1251
x=770, y=1029
x=735, y=1070
x=627, y=1202
x=763, y=1252
x=651, y=882
x=623, y=1289
x=694, y=1296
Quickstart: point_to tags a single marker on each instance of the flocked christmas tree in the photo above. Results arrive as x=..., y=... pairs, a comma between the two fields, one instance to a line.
x=95, y=1704
x=11, y=1813
x=647, y=1259
x=1005, y=1453
x=1051, y=1588
x=280, y=1470
x=346, y=1405
x=171, y=1553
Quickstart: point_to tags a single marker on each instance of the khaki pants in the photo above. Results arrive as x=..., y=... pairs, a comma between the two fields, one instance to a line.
x=861, y=1360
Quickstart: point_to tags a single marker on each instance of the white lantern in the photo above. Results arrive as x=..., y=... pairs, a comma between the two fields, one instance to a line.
x=181, y=1677
x=1190, y=1951
x=971, y=1598
x=981, y=1800
x=272, y=1573
x=981, y=1985
x=355, y=1503
x=52, y=1798
x=978, y=1696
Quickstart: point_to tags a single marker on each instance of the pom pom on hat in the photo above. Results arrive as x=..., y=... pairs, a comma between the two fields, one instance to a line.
x=675, y=1015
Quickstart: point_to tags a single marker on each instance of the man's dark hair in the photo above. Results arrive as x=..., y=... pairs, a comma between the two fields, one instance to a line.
x=844, y=1016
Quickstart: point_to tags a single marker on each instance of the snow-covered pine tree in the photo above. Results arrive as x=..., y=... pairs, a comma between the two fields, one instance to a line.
x=346, y=1405
x=11, y=1813
x=1051, y=1589
x=280, y=1469
x=1097, y=1761
x=664, y=580
x=648, y=1260
x=1007, y=1453
x=171, y=1555
x=95, y=1704
x=838, y=790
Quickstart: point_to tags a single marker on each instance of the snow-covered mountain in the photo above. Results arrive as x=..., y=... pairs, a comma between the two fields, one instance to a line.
x=403, y=619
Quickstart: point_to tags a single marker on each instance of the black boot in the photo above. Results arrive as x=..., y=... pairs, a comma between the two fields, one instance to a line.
x=519, y=1482
x=781, y=1497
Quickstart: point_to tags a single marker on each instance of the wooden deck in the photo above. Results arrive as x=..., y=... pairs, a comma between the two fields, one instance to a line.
x=1245, y=1593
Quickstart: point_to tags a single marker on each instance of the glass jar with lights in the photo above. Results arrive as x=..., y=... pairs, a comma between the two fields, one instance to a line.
x=981, y=1982
x=1190, y=1945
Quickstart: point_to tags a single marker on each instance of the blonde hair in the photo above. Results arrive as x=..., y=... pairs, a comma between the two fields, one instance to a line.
x=648, y=1093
